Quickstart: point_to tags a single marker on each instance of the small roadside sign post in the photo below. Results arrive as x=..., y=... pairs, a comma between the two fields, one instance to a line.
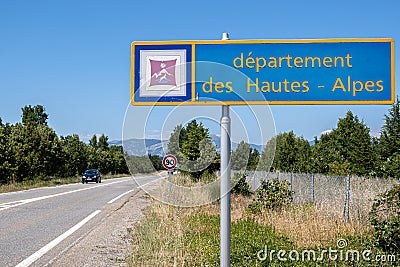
x=169, y=162
x=259, y=72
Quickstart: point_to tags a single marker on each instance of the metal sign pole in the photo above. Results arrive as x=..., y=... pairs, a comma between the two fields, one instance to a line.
x=225, y=222
x=169, y=162
x=225, y=226
x=169, y=181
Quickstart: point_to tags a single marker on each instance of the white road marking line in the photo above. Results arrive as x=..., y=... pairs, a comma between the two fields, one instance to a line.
x=4, y=206
x=139, y=186
x=155, y=180
x=35, y=256
x=50, y=187
x=118, y=197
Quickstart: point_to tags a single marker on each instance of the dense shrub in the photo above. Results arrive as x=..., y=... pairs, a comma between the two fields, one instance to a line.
x=241, y=186
x=385, y=218
x=273, y=194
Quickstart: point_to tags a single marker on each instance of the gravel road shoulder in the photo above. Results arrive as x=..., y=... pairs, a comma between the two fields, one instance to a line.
x=108, y=243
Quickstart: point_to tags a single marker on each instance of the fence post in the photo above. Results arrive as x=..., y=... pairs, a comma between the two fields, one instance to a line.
x=254, y=180
x=347, y=204
x=291, y=184
x=313, y=187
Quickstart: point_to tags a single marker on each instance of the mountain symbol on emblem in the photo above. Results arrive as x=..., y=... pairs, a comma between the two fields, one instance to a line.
x=162, y=72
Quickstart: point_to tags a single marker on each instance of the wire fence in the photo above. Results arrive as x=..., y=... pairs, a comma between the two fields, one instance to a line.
x=349, y=197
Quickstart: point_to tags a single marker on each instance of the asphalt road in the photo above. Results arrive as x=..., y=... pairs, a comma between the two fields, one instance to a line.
x=33, y=223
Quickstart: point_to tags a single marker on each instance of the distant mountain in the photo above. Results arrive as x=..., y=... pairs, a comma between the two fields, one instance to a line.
x=140, y=147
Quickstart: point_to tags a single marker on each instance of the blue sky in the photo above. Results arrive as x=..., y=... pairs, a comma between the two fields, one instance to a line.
x=73, y=57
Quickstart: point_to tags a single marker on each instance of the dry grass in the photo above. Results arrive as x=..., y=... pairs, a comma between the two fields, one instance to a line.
x=159, y=239
x=35, y=184
x=309, y=226
x=306, y=225
x=183, y=192
x=330, y=191
x=13, y=187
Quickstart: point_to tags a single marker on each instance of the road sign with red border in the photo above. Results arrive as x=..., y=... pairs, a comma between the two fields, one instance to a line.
x=169, y=162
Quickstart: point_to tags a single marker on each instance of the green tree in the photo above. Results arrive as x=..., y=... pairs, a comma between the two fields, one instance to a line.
x=103, y=142
x=193, y=148
x=267, y=155
x=273, y=194
x=37, y=151
x=388, y=146
x=354, y=144
x=93, y=141
x=31, y=151
x=323, y=153
x=195, y=133
x=76, y=152
x=7, y=159
x=34, y=115
x=254, y=158
x=390, y=133
x=119, y=163
x=292, y=153
x=345, y=150
x=285, y=154
x=105, y=158
x=156, y=161
x=176, y=140
x=303, y=157
x=93, y=158
x=240, y=157
x=104, y=161
x=385, y=219
x=240, y=185
x=139, y=164
x=244, y=157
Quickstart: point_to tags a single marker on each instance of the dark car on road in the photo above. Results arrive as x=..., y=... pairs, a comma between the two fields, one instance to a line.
x=91, y=175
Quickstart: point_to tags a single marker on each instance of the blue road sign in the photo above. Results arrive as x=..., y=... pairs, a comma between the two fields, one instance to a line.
x=237, y=72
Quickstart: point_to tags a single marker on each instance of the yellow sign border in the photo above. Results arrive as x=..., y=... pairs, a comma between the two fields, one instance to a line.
x=288, y=41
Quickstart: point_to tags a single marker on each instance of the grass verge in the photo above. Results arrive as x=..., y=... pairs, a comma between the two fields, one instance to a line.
x=176, y=236
x=48, y=182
